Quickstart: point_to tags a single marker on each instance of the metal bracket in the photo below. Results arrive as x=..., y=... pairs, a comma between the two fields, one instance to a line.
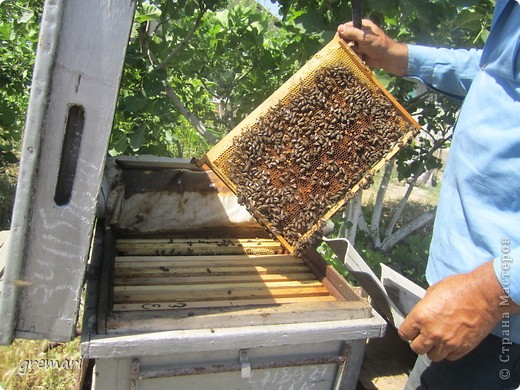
x=245, y=364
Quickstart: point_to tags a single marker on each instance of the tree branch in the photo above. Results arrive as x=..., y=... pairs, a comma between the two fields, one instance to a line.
x=174, y=98
x=402, y=204
x=357, y=213
x=413, y=103
x=411, y=185
x=378, y=206
x=353, y=213
x=202, y=10
x=409, y=228
x=192, y=119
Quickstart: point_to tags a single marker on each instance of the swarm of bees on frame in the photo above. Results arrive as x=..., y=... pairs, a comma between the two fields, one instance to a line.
x=304, y=155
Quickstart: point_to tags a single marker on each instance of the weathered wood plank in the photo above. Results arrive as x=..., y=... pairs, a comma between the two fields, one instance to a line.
x=181, y=280
x=197, y=247
x=214, y=287
x=195, y=262
x=211, y=259
x=207, y=340
x=225, y=317
x=186, y=271
x=174, y=305
x=106, y=280
x=221, y=294
x=220, y=241
x=335, y=283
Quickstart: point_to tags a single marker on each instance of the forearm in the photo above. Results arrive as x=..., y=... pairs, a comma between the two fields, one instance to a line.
x=449, y=71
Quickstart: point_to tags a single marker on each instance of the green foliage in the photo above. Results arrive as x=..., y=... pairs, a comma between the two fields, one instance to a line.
x=7, y=190
x=441, y=22
x=18, y=36
x=207, y=52
x=409, y=257
x=437, y=117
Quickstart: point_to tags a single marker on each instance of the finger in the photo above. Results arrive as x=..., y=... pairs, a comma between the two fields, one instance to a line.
x=438, y=353
x=422, y=344
x=345, y=25
x=408, y=329
x=365, y=23
x=355, y=48
x=349, y=33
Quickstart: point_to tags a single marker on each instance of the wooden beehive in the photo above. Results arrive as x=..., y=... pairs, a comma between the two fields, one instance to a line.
x=203, y=269
x=186, y=290
x=318, y=140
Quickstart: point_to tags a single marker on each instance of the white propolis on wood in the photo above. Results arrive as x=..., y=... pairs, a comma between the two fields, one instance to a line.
x=74, y=92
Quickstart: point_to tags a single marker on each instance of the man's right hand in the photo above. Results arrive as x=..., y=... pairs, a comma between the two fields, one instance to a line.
x=376, y=48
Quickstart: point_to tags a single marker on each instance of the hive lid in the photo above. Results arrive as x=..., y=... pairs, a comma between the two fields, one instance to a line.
x=69, y=119
x=312, y=145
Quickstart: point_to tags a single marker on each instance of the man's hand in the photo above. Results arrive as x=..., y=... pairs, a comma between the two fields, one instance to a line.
x=375, y=47
x=456, y=314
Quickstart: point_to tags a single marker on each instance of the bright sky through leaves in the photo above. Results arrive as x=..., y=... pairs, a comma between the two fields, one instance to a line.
x=273, y=8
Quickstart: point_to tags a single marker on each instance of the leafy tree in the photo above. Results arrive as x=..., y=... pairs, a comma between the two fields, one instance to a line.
x=186, y=55
x=19, y=24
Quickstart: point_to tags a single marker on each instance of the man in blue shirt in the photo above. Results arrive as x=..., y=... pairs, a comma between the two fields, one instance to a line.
x=467, y=323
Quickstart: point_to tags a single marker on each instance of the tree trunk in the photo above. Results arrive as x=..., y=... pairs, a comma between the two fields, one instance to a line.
x=375, y=222
x=400, y=234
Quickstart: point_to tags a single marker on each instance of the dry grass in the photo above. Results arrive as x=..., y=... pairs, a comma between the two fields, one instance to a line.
x=28, y=364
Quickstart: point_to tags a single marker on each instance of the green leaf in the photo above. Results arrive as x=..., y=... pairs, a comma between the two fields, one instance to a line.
x=153, y=83
x=5, y=31
x=223, y=18
x=26, y=17
x=6, y=155
x=138, y=138
x=118, y=143
x=134, y=103
x=147, y=12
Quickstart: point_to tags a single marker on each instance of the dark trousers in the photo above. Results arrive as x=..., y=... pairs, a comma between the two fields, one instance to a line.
x=494, y=364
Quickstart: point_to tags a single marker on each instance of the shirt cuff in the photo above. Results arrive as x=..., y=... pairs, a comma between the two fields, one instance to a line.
x=507, y=270
x=421, y=61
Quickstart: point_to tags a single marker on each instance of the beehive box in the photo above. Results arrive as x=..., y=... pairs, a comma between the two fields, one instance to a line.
x=310, y=147
x=187, y=291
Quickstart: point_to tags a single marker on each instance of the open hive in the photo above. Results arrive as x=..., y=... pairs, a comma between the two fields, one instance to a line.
x=207, y=263
x=312, y=145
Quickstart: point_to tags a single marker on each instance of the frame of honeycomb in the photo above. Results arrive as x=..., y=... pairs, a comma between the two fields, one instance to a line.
x=311, y=146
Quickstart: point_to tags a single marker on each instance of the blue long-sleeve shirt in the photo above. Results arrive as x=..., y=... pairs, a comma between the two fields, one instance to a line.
x=478, y=217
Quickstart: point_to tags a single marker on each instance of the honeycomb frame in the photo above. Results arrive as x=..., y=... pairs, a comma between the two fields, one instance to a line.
x=267, y=158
